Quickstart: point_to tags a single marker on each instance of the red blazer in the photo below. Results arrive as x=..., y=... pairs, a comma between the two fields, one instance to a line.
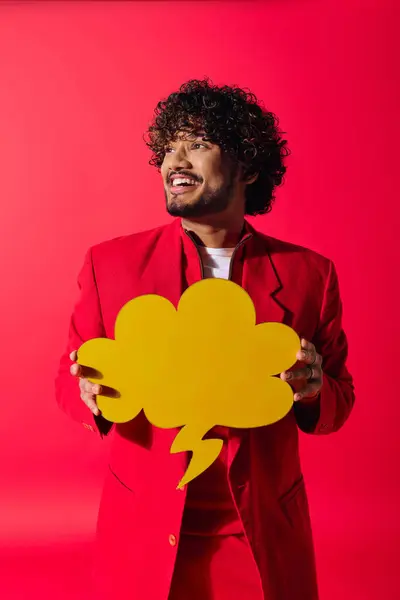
x=141, y=509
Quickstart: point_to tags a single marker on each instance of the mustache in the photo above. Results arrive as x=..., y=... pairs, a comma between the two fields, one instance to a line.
x=185, y=174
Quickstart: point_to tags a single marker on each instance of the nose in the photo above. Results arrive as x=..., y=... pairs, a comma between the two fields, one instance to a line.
x=179, y=160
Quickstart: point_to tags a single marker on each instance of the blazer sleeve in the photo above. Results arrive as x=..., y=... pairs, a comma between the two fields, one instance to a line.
x=86, y=323
x=333, y=405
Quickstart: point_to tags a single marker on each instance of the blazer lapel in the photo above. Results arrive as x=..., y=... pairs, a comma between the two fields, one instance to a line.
x=162, y=274
x=261, y=281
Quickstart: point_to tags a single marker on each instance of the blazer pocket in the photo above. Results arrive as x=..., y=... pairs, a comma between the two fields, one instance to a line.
x=294, y=504
x=292, y=491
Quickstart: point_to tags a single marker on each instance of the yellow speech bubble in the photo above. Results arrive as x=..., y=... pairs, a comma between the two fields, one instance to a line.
x=205, y=364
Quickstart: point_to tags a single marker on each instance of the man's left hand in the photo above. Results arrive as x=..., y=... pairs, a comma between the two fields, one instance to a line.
x=312, y=374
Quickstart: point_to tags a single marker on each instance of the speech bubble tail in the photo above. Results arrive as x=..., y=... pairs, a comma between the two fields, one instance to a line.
x=205, y=452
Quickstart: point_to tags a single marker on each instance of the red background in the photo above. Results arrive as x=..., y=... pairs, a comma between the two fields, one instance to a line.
x=79, y=82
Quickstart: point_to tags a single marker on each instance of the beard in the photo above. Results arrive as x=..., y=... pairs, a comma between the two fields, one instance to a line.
x=209, y=203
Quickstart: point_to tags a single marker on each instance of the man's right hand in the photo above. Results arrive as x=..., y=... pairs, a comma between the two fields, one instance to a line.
x=89, y=391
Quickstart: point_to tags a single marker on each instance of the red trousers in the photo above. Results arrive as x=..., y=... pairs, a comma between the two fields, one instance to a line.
x=215, y=568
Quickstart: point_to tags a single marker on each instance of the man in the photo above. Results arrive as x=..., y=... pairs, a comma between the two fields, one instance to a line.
x=241, y=530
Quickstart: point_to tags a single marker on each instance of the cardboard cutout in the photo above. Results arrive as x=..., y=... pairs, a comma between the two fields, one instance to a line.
x=205, y=364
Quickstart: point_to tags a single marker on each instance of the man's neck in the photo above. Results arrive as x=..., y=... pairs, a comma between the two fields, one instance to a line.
x=215, y=236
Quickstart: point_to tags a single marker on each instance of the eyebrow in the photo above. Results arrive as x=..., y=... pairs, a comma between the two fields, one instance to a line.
x=191, y=137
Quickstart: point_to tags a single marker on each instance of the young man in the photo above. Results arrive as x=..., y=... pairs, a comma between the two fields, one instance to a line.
x=241, y=530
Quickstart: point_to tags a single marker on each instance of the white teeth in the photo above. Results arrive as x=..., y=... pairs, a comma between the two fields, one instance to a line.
x=178, y=181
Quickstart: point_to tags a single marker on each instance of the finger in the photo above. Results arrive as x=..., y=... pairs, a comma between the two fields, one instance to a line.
x=312, y=389
x=97, y=389
x=85, y=386
x=74, y=355
x=76, y=370
x=86, y=372
x=309, y=355
x=307, y=345
x=109, y=392
x=299, y=374
x=91, y=388
x=307, y=350
x=90, y=402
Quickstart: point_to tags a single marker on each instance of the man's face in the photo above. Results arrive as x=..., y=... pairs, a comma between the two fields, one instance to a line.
x=199, y=180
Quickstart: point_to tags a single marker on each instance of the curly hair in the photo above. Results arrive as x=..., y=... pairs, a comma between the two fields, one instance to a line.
x=233, y=119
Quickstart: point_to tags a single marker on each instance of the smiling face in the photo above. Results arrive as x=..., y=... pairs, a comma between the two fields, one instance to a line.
x=199, y=179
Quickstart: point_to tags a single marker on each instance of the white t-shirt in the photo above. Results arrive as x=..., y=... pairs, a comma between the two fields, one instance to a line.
x=216, y=261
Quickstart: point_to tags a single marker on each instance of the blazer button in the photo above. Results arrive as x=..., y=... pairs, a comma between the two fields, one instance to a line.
x=172, y=539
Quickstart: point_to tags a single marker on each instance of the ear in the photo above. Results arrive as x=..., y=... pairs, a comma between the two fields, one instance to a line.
x=251, y=178
x=246, y=178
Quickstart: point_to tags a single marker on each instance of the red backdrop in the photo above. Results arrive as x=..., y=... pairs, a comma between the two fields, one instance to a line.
x=78, y=85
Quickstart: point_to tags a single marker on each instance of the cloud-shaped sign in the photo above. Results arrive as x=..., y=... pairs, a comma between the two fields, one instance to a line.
x=203, y=364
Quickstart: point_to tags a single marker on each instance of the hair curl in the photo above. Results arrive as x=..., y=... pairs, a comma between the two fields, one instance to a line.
x=233, y=119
